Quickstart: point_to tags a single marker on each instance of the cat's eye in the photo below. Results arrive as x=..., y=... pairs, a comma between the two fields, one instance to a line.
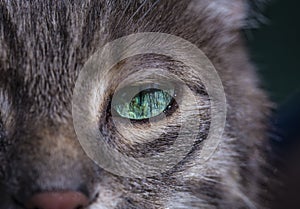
x=146, y=104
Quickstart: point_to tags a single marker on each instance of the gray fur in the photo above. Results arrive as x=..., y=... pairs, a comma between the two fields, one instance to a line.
x=44, y=44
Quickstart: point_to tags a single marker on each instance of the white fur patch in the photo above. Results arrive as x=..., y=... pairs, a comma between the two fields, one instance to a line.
x=106, y=199
x=232, y=13
x=184, y=200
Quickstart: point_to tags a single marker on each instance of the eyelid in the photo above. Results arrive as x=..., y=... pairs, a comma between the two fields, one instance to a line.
x=135, y=87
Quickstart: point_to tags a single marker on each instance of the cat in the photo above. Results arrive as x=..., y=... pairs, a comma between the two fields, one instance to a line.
x=45, y=45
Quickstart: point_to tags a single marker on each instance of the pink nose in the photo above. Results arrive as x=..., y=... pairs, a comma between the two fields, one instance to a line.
x=58, y=200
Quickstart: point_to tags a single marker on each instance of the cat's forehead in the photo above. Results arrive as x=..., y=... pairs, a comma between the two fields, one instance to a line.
x=45, y=44
x=41, y=36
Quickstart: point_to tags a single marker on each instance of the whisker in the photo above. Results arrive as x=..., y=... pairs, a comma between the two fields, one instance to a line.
x=123, y=14
x=147, y=12
x=247, y=201
x=140, y=7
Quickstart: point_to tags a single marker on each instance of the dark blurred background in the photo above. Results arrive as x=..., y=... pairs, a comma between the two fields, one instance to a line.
x=275, y=49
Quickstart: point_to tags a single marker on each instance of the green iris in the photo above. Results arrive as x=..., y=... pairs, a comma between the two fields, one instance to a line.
x=146, y=104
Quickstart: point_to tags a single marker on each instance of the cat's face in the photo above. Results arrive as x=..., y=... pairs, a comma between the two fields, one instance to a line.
x=44, y=46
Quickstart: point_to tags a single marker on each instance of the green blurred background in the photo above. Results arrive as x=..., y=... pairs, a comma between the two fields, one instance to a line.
x=274, y=47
